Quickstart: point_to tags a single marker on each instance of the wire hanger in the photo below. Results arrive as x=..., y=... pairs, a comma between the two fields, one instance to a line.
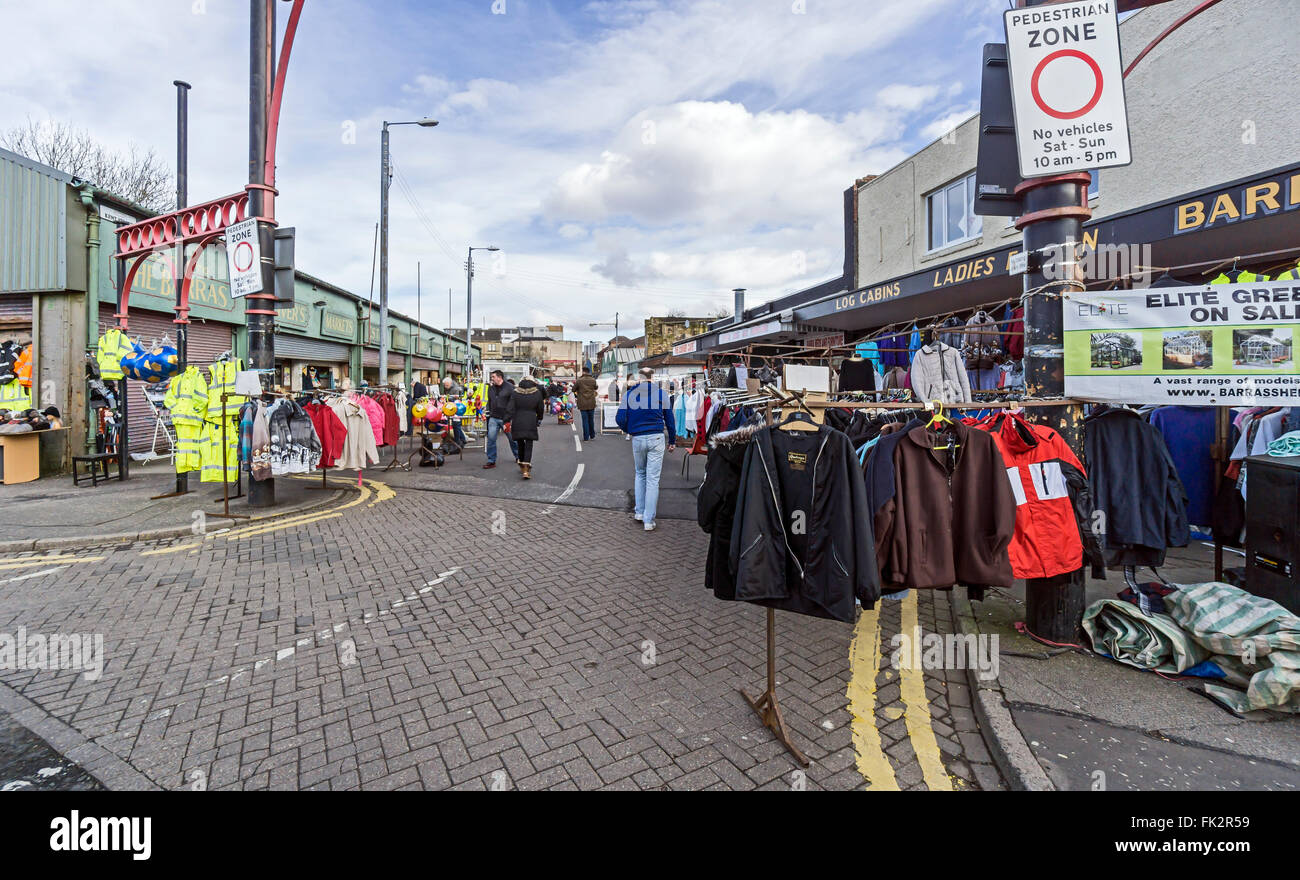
x=798, y=421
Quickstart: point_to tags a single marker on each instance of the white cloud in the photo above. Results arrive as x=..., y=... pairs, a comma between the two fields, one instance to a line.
x=904, y=97
x=716, y=162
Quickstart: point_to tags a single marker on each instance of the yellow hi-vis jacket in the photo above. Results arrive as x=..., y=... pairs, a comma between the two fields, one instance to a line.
x=113, y=346
x=222, y=379
x=187, y=398
x=15, y=396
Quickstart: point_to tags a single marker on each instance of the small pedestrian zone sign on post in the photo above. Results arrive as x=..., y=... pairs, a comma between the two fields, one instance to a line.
x=1067, y=87
x=244, y=256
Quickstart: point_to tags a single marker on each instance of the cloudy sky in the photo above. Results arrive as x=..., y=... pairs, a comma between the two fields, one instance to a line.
x=636, y=156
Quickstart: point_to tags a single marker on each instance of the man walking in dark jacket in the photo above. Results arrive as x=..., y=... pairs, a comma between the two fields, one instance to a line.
x=646, y=413
x=585, y=390
x=499, y=394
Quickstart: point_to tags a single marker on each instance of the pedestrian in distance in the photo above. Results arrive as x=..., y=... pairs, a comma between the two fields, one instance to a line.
x=646, y=414
x=500, y=393
x=585, y=390
x=451, y=393
x=523, y=415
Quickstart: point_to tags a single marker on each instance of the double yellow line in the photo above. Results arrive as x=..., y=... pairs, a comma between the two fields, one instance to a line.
x=381, y=492
x=864, y=668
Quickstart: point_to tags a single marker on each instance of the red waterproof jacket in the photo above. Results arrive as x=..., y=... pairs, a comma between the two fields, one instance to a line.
x=1041, y=468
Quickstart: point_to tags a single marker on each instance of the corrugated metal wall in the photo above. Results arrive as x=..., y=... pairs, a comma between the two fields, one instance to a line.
x=33, y=225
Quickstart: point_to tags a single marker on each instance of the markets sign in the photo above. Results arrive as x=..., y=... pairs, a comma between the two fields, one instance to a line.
x=338, y=326
x=1067, y=87
x=686, y=347
x=1216, y=345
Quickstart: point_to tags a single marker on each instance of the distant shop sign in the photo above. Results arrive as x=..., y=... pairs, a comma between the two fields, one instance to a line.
x=826, y=340
x=750, y=332
x=686, y=347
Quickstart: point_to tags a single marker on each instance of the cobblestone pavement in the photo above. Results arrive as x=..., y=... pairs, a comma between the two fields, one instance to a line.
x=430, y=640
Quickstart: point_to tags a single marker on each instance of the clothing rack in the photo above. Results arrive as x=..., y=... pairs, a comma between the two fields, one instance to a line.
x=325, y=484
x=766, y=705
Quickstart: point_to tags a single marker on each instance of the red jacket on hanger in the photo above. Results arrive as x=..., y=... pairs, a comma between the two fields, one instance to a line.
x=1040, y=466
x=331, y=430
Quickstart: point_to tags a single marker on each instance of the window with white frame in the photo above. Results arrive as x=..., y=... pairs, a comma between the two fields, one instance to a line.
x=952, y=213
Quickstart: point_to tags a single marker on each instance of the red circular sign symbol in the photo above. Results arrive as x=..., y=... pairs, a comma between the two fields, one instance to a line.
x=243, y=256
x=1062, y=114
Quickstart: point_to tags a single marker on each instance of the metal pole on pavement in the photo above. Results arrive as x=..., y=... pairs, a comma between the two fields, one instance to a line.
x=259, y=308
x=182, y=199
x=384, y=177
x=469, y=307
x=1054, y=209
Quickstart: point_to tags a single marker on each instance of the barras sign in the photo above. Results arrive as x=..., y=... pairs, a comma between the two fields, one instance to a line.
x=1067, y=87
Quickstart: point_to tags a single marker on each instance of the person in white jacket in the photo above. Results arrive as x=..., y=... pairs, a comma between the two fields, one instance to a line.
x=939, y=373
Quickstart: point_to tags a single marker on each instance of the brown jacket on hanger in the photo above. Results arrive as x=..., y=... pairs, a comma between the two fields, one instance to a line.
x=945, y=528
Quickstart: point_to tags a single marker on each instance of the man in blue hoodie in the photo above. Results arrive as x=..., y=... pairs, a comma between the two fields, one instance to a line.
x=645, y=413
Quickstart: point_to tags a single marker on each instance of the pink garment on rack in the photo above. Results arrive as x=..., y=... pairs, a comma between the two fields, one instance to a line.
x=376, y=414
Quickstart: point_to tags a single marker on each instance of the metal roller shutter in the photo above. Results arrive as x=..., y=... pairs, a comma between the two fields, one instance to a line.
x=424, y=364
x=15, y=310
x=320, y=351
x=206, y=340
x=370, y=358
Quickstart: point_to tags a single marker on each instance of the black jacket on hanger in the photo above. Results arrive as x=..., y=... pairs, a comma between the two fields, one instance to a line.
x=802, y=536
x=1135, y=487
x=715, y=508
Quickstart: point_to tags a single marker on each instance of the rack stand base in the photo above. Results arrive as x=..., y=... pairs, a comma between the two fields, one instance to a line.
x=766, y=705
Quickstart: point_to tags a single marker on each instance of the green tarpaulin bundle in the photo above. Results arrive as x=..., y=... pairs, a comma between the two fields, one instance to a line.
x=1254, y=640
x=1147, y=641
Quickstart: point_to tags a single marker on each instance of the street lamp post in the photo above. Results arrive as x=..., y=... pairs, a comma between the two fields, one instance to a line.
x=469, y=306
x=385, y=175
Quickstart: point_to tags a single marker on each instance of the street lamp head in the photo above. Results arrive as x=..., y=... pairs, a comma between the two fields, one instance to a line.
x=426, y=122
x=494, y=248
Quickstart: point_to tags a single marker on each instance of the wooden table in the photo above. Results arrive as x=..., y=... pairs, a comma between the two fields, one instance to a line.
x=20, y=455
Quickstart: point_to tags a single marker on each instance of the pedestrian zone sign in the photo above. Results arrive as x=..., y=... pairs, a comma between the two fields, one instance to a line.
x=1067, y=87
x=244, y=256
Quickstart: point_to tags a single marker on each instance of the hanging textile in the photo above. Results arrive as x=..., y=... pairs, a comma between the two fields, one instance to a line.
x=187, y=401
x=1135, y=485
x=802, y=539
x=1054, y=511
x=952, y=516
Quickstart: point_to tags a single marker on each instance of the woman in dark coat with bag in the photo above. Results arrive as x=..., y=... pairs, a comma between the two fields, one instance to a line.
x=523, y=414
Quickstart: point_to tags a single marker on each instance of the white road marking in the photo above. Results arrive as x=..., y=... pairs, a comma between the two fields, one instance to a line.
x=577, y=443
x=33, y=574
x=573, y=484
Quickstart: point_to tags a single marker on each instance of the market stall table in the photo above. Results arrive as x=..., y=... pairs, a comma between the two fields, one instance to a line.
x=20, y=455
